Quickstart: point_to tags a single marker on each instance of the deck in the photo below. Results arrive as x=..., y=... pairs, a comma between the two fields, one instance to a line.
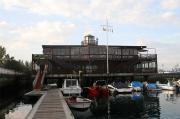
x=51, y=106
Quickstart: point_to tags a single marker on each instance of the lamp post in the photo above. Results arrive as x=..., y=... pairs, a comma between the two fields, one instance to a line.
x=107, y=29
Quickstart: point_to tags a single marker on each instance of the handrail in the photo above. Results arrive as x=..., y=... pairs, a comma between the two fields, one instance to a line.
x=39, y=78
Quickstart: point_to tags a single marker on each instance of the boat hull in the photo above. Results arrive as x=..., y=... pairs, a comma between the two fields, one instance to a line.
x=80, y=104
x=71, y=91
x=168, y=88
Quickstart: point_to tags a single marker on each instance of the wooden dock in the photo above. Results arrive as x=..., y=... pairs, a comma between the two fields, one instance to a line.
x=51, y=106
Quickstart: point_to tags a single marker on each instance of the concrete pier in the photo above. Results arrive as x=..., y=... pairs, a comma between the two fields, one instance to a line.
x=51, y=105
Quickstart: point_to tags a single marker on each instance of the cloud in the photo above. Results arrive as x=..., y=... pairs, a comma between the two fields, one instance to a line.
x=3, y=24
x=119, y=11
x=170, y=4
x=166, y=50
x=21, y=40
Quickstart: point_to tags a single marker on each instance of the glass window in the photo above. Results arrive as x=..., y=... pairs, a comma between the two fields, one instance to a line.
x=75, y=51
x=131, y=51
x=125, y=51
x=84, y=50
x=71, y=83
x=135, y=51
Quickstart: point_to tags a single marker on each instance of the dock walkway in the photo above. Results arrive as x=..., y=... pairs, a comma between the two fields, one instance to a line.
x=51, y=106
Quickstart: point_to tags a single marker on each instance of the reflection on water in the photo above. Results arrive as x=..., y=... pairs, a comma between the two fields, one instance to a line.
x=151, y=105
x=170, y=105
x=16, y=108
x=19, y=111
x=12, y=103
x=127, y=104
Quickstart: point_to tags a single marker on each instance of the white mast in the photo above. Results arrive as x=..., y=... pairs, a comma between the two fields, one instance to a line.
x=107, y=29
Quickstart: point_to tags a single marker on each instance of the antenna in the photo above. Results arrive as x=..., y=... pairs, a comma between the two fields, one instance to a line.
x=107, y=29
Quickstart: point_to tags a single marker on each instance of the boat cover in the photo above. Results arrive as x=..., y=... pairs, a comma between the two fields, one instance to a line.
x=152, y=86
x=136, y=84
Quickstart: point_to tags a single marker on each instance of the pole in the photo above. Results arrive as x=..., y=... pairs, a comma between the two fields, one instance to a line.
x=107, y=47
x=107, y=29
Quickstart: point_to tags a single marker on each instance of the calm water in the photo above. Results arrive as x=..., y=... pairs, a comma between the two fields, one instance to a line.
x=13, y=105
x=164, y=105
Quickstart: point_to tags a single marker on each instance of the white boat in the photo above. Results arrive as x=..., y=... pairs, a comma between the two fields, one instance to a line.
x=152, y=87
x=71, y=87
x=113, y=89
x=177, y=83
x=78, y=103
x=168, y=86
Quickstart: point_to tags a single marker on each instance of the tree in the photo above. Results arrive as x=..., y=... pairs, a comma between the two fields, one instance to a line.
x=2, y=55
x=9, y=62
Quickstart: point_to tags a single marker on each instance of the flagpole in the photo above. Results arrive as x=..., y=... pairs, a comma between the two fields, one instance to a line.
x=107, y=47
x=107, y=29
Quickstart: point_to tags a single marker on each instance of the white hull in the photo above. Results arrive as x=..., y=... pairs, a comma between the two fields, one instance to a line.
x=137, y=89
x=124, y=90
x=168, y=88
x=79, y=103
x=119, y=90
x=71, y=91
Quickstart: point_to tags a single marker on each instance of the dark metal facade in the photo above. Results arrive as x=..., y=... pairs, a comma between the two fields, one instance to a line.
x=91, y=59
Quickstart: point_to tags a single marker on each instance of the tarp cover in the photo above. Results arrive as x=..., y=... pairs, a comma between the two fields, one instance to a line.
x=151, y=86
x=136, y=84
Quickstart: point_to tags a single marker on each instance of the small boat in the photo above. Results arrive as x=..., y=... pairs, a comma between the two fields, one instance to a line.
x=71, y=87
x=78, y=103
x=152, y=87
x=136, y=85
x=116, y=88
x=168, y=86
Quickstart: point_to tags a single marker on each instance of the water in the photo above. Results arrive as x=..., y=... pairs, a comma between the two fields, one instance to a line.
x=16, y=107
x=13, y=104
x=19, y=111
x=164, y=105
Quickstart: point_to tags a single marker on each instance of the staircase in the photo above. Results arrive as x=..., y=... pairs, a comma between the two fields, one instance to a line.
x=39, y=79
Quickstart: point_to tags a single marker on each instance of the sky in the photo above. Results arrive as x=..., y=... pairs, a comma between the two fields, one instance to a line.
x=26, y=25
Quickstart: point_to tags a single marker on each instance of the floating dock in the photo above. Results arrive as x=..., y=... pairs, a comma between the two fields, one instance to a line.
x=51, y=105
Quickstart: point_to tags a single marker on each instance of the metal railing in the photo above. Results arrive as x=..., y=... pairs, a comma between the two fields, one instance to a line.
x=8, y=71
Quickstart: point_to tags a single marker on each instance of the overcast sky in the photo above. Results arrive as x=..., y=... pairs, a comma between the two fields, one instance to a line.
x=27, y=24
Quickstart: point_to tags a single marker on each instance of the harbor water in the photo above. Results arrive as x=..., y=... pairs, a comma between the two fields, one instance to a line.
x=152, y=105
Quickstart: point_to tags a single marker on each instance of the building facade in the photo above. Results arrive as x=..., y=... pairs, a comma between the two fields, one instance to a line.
x=91, y=58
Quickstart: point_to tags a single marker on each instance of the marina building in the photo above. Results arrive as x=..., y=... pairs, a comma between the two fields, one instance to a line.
x=92, y=58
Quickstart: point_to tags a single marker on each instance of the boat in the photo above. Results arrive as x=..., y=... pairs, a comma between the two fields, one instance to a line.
x=136, y=85
x=78, y=103
x=168, y=86
x=118, y=88
x=98, y=90
x=71, y=87
x=152, y=87
x=177, y=83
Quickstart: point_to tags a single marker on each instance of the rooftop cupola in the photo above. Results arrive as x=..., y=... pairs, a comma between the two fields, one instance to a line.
x=89, y=40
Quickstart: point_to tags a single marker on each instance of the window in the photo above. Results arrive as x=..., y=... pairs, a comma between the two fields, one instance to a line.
x=125, y=51
x=75, y=51
x=71, y=83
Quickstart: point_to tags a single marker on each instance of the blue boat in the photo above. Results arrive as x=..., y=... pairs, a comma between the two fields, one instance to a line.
x=136, y=85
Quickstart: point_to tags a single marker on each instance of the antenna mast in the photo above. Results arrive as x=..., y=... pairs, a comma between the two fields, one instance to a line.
x=107, y=29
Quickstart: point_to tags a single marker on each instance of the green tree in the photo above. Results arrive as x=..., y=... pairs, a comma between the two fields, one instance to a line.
x=2, y=55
